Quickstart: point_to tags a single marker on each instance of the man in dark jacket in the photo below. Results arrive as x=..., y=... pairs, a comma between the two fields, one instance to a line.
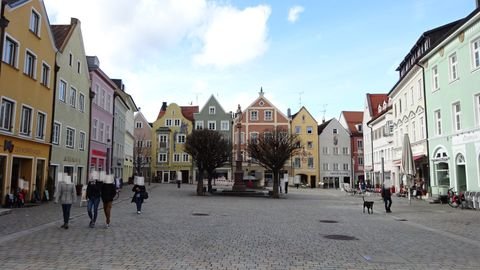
x=93, y=197
x=387, y=198
x=108, y=193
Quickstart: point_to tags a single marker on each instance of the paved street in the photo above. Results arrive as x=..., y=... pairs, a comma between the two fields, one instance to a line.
x=178, y=230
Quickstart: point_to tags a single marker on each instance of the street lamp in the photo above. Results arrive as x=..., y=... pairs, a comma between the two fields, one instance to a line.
x=238, y=184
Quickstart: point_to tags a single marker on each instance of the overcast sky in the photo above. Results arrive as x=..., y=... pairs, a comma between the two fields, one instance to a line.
x=321, y=54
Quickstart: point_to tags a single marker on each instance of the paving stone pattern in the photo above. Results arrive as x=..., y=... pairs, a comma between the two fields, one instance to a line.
x=179, y=230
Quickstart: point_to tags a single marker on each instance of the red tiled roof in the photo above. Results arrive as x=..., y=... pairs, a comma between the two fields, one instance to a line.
x=373, y=101
x=60, y=33
x=353, y=119
x=188, y=111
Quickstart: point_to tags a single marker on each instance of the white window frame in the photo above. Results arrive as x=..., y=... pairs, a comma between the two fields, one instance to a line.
x=453, y=67
x=56, y=132
x=176, y=157
x=211, y=110
x=181, y=138
x=162, y=158
x=26, y=130
x=335, y=150
x=72, y=97
x=168, y=122
x=30, y=67
x=422, y=128
x=81, y=141
x=177, y=122
x=254, y=115
x=199, y=125
x=101, y=131
x=325, y=166
x=346, y=167
x=212, y=125
x=40, y=126
x=457, y=116
x=35, y=22
x=268, y=115
x=62, y=90
x=309, y=130
x=139, y=124
x=438, y=122
x=335, y=131
x=435, y=82
x=45, y=80
x=335, y=166
x=224, y=125
x=310, y=163
x=420, y=89
x=4, y=124
x=70, y=138
x=476, y=53
x=10, y=51
x=185, y=157
x=298, y=129
x=81, y=102
x=94, y=129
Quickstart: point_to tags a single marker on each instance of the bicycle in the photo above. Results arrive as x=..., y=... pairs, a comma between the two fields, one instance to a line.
x=455, y=200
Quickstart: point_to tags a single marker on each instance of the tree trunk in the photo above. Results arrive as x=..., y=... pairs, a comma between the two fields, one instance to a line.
x=200, y=183
x=276, y=184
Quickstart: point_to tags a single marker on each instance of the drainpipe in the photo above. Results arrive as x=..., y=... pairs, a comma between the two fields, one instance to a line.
x=115, y=95
x=92, y=96
x=55, y=76
x=3, y=24
x=373, y=163
x=426, y=118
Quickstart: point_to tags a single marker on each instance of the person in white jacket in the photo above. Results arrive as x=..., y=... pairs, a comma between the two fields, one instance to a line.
x=66, y=195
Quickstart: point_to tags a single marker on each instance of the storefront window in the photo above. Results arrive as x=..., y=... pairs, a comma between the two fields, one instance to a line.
x=443, y=179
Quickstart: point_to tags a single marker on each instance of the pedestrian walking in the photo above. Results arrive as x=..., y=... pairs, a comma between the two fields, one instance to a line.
x=94, y=191
x=108, y=192
x=387, y=197
x=66, y=195
x=140, y=193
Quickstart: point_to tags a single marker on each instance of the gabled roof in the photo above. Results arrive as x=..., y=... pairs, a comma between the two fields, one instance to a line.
x=187, y=111
x=373, y=101
x=323, y=125
x=210, y=101
x=261, y=98
x=60, y=33
x=305, y=109
x=353, y=119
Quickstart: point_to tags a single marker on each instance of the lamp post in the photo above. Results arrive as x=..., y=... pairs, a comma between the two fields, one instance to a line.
x=238, y=184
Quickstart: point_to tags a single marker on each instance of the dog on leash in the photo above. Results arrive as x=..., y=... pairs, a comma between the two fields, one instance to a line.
x=368, y=205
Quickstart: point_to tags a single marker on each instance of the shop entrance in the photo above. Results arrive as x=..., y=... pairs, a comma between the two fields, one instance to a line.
x=3, y=171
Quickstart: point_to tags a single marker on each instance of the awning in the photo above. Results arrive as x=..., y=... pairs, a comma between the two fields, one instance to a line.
x=416, y=158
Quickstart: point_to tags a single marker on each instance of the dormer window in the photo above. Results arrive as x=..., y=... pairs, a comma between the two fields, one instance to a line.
x=211, y=110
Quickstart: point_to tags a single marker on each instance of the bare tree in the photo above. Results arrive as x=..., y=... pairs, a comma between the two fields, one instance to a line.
x=141, y=155
x=209, y=150
x=272, y=149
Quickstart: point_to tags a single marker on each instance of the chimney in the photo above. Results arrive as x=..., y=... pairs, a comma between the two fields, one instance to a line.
x=289, y=113
x=164, y=106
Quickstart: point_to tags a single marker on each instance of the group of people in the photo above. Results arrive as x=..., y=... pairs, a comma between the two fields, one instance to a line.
x=96, y=191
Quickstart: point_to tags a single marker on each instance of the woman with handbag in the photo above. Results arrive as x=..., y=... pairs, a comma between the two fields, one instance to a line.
x=140, y=193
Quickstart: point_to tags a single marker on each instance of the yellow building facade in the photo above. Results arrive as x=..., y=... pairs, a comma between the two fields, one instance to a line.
x=26, y=97
x=169, y=132
x=305, y=164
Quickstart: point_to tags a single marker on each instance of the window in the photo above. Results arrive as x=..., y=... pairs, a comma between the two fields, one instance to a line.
x=422, y=127
x=30, y=63
x=70, y=140
x=198, y=124
x=211, y=110
x=81, y=143
x=419, y=89
x=40, y=130
x=335, y=131
x=176, y=157
x=268, y=116
x=477, y=109
x=224, y=125
x=345, y=150
x=101, y=102
x=359, y=126
x=476, y=53
x=309, y=144
x=325, y=150
x=181, y=138
x=108, y=102
x=70, y=59
x=10, y=52
x=457, y=112
x=163, y=140
x=62, y=90
x=73, y=97
x=412, y=98
x=96, y=90
x=253, y=137
x=101, y=131
x=360, y=144
x=360, y=161
x=254, y=115
x=185, y=157
x=453, y=67
x=162, y=157
x=168, y=122
x=325, y=166
x=345, y=167
x=335, y=166
x=414, y=132
x=177, y=122
x=79, y=67
x=309, y=130
x=26, y=121
x=107, y=132
x=45, y=74
x=400, y=105
x=56, y=133
x=335, y=150
x=438, y=122
x=81, y=102
x=6, y=114
x=94, y=129
x=435, y=84
x=310, y=162
x=138, y=124
x=298, y=129
x=297, y=163
x=212, y=125
x=35, y=23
